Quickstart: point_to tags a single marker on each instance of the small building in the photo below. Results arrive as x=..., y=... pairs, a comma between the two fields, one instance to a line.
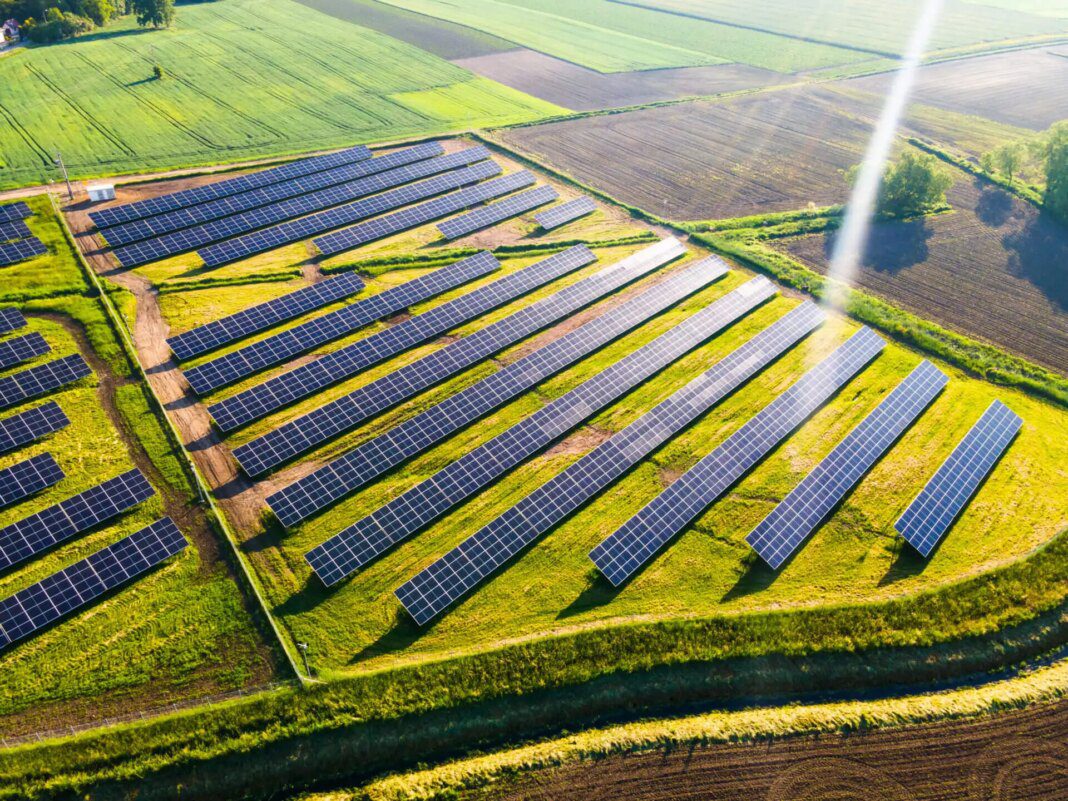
x=101, y=192
x=9, y=33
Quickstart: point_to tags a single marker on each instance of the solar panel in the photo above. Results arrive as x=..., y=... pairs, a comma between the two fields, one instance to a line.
x=170, y=244
x=12, y=252
x=341, y=476
x=565, y=213
x=622, y=553
x=11, y=319
x=37, y=533
x=41, y=379
x=263, y=316
x=449, y=578
x=30, y=425
x=493, y=213
x=781, y=533
x=14, y=229
x=330, y=420
x=232, y=186
x=933, y=511
x=22, y=349
x=73, y=587
x=403, y=220
x=310, y=378
x=25, y=478
x=14, y=211
x=306, y=227
x=347, y=175
x=285, y=344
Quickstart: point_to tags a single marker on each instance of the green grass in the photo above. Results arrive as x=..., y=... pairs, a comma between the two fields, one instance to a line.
x=243, y=79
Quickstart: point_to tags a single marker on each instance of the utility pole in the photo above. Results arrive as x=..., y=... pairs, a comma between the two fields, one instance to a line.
x=63, y=167
x=303, y=647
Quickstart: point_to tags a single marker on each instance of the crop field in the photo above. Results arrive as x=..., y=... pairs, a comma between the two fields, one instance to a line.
x=234, y=87
x=992, y=262
x=180, y=632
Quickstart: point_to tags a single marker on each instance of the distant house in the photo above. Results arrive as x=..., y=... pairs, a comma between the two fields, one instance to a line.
x=9, y=33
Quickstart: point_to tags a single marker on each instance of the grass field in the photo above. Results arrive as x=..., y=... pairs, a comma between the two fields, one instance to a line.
x=242, y=79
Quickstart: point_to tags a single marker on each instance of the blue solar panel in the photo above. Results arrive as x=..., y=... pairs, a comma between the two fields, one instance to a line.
x=944, y=497
x=781, y=533
x=41, y=379
x=30, y=425
x=20, y=250
x=327, y=422
x=286, y=344
x=298, y=230
x=22, y=349
x=448, y=579
x=565, y=213
x=232, y=186
x=335, y=479
x=622, y=553
x=14, y=211
x=493, y=213
x=263, y=316
x=43, y=603
x=14, y=229
x=11, y=319
x=310, y=378
x=170, y=244
x=26, y=478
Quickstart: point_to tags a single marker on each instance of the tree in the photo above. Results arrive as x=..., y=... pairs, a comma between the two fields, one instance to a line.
x=914, y=185
x=1056, y=198
x=1008, y=160
x=157, y=13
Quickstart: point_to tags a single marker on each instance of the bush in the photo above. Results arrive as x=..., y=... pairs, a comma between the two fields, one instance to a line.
x=916, y=184
x=57, y=25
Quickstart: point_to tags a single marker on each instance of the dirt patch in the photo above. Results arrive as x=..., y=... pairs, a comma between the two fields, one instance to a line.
x=581, y=89
x=581, y=442
x=1010, y=757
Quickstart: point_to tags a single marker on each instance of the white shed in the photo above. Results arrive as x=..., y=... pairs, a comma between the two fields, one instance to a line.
x=99, y=192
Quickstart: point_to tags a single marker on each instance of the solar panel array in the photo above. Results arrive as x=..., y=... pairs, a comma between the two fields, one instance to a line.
x=149, y=227
x=335, y=479
x=13, y=229
x=41, y=379
x=308, y=379
x=14, y=211
x=565, y=213
x=232, y=186
x=244, y=222
x=25, y=478
x=73, y=587
x=37, y=533
x=11, y=319
x=330, y=420
x=297, y=230
x=622, y=553
x=20, y=250
x=494, y=213
x=448, y=579
x=390, y=224
x=263, y=316
x=781, y=533
x=285, y=344
x=22, y=349
x=933, y=511
x=30, y=425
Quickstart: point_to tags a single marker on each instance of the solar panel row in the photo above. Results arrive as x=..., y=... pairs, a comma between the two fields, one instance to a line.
x=30, y=425
x=37, y=533
x=621, y=554
x=244, y=222
x=41, y=379
x=263, y=316
x=232, y=186
x=565, y=213
x=326, y=422
x=149, y=227
x=305, y=227
x=493, y=213
x=50, y=599
x=341, y=476
x=13, y=229
x=22, y=349
x=11, y=319
x=25, y=478
x=781, y=533
x=308, y=379
x=285, y=344
x=390, y=224
x=933, y=511
x=20, y=250
x=448, y=579
x=14, y=211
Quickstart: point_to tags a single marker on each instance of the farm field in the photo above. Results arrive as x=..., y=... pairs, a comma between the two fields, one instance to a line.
x=234, y=88
x=176, y=634
x=981, y=269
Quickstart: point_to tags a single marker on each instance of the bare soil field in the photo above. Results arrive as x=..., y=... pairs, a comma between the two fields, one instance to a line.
x=581, y=89
x=1010, y=757
x=1025, y=87
x=993, y=262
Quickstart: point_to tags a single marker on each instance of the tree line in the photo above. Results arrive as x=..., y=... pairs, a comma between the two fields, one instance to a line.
x=44, y=21
x=1040, y=162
